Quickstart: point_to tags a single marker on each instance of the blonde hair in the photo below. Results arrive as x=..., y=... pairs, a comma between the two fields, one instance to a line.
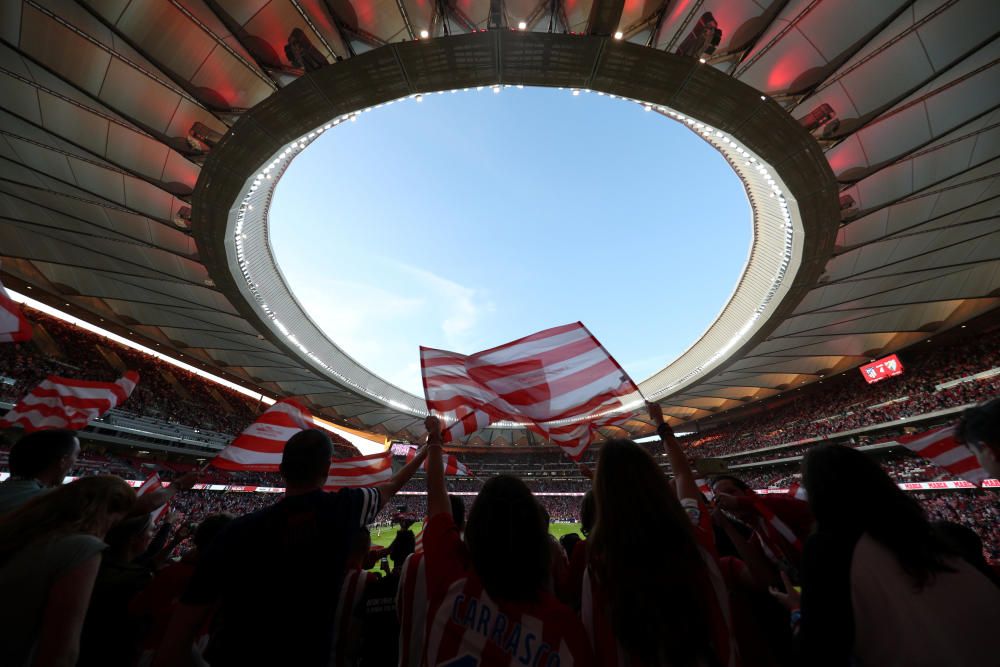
x=83, y=506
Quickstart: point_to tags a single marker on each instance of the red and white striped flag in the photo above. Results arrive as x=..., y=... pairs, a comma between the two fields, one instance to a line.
x=560, y=382
x=152, y=484
x=774, y=527
x=260, y=445
x=797, y=491
x=452, y=466
x=360, y=471
x=14, y=326
x=705, y=488
x=941, y=447
x=60, y=402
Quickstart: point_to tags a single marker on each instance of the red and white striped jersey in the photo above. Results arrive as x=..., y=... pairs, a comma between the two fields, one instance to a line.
x=466, y=627
x=347, y=621
x=411, y=605
x=59, y=402
x=561, y=382
x=260, y=445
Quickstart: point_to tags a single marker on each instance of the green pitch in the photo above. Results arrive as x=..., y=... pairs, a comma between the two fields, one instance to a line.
x=384, y=537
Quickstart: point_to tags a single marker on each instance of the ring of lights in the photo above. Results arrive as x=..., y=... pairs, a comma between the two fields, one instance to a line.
x=791, y=189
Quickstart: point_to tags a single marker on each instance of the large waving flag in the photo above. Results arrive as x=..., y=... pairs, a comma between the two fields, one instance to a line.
x=360, y=471
x=560, y=382
x=14, y=326
x=260, y=445
x=941, y=447
x=452, y=466
x=60, y=402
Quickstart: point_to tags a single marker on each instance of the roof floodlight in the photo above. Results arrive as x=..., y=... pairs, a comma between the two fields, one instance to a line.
x=522, y=25
x=703, y=39
x=818, y=117
x=424, y=34
x=301, y=52
x=619, y=34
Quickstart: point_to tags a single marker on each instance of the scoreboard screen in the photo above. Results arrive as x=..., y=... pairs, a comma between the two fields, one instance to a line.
x=883, y=368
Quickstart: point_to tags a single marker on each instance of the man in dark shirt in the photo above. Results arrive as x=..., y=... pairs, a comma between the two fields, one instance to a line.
x=276, y=574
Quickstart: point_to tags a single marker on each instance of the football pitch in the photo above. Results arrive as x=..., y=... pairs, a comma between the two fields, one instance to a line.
x=383, y=537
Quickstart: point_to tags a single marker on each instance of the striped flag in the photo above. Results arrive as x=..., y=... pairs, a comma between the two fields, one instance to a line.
x=260, y=445
x=152, y=484
x=797, y=491
x=452, y=466
x=60, y=402
x=774, y=527
x=360, y=471
x=705, y=488
x=941, y=447
x=14, y=326
x=560, y=382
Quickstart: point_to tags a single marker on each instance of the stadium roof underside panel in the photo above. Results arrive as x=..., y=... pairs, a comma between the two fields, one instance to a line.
x=110, y=110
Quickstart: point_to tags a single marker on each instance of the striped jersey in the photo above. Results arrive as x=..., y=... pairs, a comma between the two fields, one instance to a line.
x=411, y=605
x=348, y=618
x=465, y=627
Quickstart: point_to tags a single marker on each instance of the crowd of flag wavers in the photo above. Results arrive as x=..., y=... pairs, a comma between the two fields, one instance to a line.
x=674, y=570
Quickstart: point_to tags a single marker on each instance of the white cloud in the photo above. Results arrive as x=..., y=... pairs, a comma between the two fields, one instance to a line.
x=461, y=308
x=381, y=326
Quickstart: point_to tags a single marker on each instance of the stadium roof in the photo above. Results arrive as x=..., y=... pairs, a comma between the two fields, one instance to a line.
x=100, y=156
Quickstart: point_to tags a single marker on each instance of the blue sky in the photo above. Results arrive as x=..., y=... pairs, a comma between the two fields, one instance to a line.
x=471, y=219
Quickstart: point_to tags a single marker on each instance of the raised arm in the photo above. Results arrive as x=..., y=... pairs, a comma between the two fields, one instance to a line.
x=437, y=491
x=683, y=475
x=390, y=488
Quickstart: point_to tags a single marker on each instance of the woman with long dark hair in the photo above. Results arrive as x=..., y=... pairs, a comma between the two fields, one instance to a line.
x=674, y=613
x=879, y=585
x=50, y=551
x=488, y=602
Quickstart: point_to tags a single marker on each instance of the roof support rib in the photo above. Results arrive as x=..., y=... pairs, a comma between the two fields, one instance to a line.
x=605, y=15
x=536, y=14
x=347, y=32
x=263, y=60
x=213, y=106
x=744, y=50
x=791, y=25
x=683, y=26
x=498, y=15
x=406, y=19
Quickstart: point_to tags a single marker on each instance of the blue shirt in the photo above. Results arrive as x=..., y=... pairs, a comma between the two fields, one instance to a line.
x=277, y=573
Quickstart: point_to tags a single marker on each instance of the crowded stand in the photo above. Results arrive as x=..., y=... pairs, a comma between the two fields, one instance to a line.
x=847, y=402
x=167, y=393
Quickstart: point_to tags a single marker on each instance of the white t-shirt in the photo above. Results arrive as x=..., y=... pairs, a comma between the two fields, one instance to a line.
x=954, y=620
